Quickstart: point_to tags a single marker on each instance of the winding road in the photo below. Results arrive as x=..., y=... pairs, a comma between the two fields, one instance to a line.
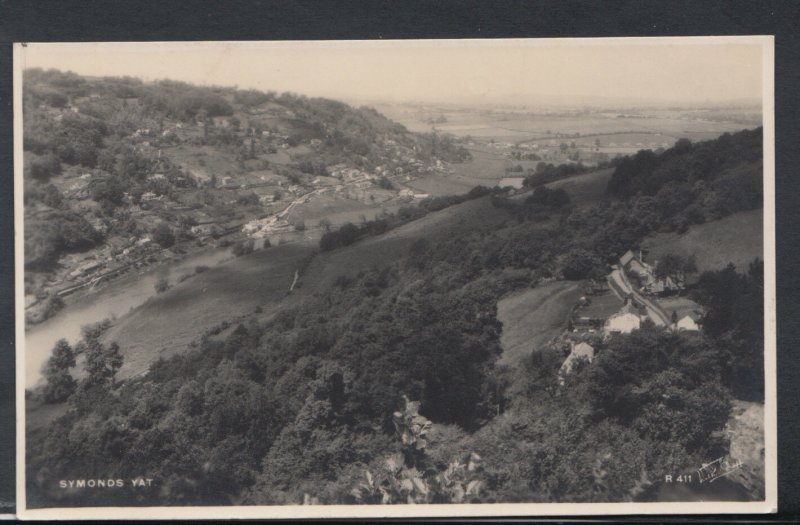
x=619, y=283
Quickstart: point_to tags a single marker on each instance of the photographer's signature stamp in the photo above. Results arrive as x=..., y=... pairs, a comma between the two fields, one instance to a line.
x=708, y=473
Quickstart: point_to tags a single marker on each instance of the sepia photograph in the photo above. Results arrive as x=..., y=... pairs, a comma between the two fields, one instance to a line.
x=395, y=278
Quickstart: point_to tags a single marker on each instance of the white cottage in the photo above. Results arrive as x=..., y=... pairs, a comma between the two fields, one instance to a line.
x=579, y=352
x=686, y=323
x=623, y=323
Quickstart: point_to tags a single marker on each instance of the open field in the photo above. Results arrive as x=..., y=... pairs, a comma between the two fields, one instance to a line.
x=586, y=187
x=737, y=239
x=519, y=125
x=601, y=306
x=534, y=316
x=328, y=206
x=485, y=169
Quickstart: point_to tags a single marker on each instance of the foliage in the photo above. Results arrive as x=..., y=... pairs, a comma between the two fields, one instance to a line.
x=60, y=384
x=546, y=173
x=410, y=477
x=163, y=236
x=735, y=317
x=50, y=234
x=676, y=268
x=544, y=196
x=161, y=285
x=243, y=247
x=102, y=362
x=694, y=183
x=45, y=167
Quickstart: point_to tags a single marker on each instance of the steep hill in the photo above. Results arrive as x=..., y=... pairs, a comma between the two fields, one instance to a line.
x=116, y=169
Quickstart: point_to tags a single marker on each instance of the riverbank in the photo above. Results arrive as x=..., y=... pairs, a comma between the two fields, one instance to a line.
x=113, y=300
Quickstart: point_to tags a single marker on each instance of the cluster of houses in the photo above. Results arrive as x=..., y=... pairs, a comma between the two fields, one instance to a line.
x=586, y=329
x=634, y=264
x=272, y=229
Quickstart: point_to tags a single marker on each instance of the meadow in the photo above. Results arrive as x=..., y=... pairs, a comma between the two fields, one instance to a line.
x=532, y=317
x=738, y=239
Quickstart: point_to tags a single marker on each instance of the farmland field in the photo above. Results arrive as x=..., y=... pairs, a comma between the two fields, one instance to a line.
x=737, y=239
x=523, y=125
x=485, y=169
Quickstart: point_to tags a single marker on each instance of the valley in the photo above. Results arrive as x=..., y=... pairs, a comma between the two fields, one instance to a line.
x=282, y=276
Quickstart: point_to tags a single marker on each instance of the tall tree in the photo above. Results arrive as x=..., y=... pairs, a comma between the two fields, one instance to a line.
x=60, y=384
x=102, y=363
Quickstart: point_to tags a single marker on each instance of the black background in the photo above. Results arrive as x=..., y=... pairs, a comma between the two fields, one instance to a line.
x=165, y=20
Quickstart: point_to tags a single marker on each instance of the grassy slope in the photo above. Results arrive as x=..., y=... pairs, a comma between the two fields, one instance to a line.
x=167, y=323
x=384, y=249
x=532, y=317
x=737, y=239
x=585, y=188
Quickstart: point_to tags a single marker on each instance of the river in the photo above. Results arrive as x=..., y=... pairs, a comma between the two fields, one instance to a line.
x=114, y=300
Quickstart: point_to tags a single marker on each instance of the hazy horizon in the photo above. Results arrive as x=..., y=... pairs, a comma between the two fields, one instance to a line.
x=599, y=72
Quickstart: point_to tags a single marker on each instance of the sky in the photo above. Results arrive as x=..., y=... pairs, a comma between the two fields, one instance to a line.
x=521, y=71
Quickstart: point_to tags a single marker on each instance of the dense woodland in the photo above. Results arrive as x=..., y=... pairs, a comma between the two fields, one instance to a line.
x=303, y=406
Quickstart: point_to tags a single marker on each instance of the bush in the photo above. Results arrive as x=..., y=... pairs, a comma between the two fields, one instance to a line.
x=53, y=304
x=45, y=167
x=162, y=285
x=243, y=247
x=162, y=234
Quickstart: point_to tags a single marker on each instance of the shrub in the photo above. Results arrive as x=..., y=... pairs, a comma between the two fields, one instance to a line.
x=43, y=168
x=162, y=285
x=243, y=247
x=162, y=234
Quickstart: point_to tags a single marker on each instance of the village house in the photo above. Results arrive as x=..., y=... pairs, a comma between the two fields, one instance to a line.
x=514, y=182
x=206, y=229
x=85, y=269
x=687, y=324
x=634, y=264
x=623, y=323
x=578, y=352
x=221, y=122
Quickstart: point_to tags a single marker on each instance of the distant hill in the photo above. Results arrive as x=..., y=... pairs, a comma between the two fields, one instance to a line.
x=115, y=158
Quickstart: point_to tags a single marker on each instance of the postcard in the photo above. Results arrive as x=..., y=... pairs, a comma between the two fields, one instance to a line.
x=395, y=278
